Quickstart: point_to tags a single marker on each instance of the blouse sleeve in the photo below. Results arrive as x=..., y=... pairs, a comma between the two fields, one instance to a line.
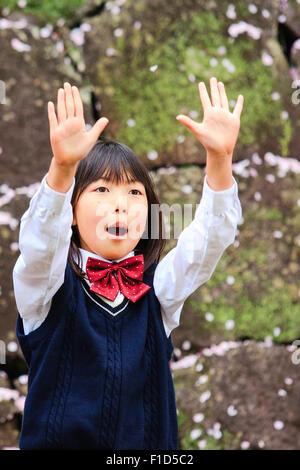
x=199, y=248
x=44, y=240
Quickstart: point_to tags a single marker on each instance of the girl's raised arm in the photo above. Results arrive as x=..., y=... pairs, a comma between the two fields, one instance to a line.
x=45, y=228
x=70, y=141
x=201, y=244
x=199, y=248
x=44, y=240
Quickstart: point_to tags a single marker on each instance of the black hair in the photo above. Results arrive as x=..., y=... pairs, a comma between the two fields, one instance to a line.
x=116, y=161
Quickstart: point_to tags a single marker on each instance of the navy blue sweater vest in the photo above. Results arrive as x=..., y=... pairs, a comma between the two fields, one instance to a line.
x=98, y=379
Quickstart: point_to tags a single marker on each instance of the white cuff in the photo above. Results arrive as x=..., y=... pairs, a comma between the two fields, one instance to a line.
x=217, y=202
x=52, y=200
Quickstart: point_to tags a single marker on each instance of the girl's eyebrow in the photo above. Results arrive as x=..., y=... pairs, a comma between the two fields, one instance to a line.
x=104, y=178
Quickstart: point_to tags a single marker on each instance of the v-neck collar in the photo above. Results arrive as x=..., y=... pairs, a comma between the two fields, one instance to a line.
x=97, y=298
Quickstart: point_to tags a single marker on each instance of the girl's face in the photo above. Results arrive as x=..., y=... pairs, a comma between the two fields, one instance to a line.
x=103, y=205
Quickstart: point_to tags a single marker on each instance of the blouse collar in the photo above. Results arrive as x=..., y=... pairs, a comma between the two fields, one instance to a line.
x=85, y=254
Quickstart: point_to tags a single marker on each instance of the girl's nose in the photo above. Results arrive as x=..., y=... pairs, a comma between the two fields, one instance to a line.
x=121, y=204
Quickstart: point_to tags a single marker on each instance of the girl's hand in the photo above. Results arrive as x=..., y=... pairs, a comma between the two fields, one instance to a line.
x=69, y=138
x=219, y=129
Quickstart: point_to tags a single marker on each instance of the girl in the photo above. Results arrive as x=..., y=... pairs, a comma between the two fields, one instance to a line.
x=95, y=305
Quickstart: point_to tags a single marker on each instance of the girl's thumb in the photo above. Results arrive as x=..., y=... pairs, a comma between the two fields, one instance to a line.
x=97, y=128
x=188, y=122
x=194, y=126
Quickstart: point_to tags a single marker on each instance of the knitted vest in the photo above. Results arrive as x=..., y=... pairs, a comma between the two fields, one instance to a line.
x=99, y=377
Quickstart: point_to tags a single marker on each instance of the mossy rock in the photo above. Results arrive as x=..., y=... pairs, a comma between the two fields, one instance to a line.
x=255, y=287
x=180, y=41
x=249, y=394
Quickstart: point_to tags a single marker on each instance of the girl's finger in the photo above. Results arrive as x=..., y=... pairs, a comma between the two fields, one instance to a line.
x=97, y=128
x=223, y=96
x=195, y=127
x=69, y=100
x=78, y=102
x=61, y=107
x=204, y=96
x=215, y=95
x=238, y=107
x=52, y=116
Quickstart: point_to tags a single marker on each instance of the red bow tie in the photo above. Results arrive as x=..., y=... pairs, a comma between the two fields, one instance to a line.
x=129, y=277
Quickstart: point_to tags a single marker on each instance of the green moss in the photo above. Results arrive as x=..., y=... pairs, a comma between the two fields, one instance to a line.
x=273, y=214
x=285, y=140
x=181, y=418
x=260, y=298
x=294, y=4
x=255, y=316
x=48, y=10
x=154, y=99
x=263, y=214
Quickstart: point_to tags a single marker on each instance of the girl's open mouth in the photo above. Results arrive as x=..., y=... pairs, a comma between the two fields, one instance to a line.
x=118, y=232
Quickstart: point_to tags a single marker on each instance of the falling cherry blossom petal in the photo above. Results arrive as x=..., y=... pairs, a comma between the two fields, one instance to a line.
x=19, y=45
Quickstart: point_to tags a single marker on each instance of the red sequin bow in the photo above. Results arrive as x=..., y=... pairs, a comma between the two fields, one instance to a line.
x=129, y=277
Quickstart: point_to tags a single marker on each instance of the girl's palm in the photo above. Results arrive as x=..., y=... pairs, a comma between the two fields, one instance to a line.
x=219, y=129
x=70, y=141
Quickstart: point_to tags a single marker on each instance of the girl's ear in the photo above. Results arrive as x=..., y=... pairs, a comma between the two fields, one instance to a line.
x=74, y=220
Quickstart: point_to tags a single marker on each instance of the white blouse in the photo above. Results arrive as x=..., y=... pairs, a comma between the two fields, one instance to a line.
x=44, y=240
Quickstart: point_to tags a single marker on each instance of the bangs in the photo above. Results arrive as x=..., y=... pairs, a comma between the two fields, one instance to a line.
x=119, y=172
x=115, y=164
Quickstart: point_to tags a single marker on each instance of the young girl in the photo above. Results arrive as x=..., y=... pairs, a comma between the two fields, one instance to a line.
x=95, y=305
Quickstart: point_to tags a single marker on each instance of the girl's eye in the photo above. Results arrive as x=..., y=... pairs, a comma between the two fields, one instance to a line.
x=136, y=190
x=101, y=187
